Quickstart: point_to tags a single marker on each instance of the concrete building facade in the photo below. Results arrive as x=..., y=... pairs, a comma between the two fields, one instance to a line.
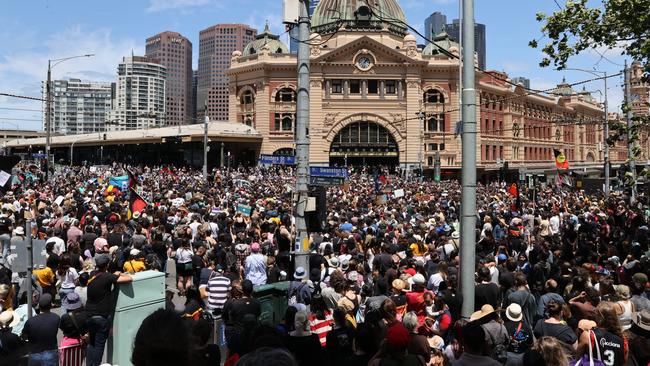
x=376, y=98
x=216, y=45
x=174, y=52
x=79, y=106
x=139, y=96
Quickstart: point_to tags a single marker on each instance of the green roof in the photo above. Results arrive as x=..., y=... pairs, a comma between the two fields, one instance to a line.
x=266, y=38
x=442, y=42
x=330, y=15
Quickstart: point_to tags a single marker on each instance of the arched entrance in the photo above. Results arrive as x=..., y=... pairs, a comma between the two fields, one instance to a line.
x=364, y=144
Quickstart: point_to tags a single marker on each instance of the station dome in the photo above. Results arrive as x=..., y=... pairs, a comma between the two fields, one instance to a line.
x=266, y=39
x=359, y=15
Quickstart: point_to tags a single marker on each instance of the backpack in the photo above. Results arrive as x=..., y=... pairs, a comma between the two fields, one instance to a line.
x=295, y=295
x=499, y=352
x=518, y=339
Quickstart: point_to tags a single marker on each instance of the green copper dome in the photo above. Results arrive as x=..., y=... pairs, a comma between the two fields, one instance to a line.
x=361, y=15
x=442, y=40
x=265, y=39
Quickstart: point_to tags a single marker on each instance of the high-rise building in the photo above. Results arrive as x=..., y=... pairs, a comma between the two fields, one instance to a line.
x=454, y=29
x=195, y=83
x=293, y=33
x=79, y=106
x=216, y=45
x=522, y=80
x=139, y=96
x=174, y=52
x=434, y=25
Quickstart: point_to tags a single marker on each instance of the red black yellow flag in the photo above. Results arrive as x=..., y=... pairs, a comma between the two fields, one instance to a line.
x=561, y=161
x=136, y=203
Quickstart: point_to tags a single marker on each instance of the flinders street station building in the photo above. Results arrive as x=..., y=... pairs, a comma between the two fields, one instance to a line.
x=376, y=97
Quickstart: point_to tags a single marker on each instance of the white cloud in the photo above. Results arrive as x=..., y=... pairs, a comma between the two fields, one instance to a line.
x=23, y=69
x=162, y=5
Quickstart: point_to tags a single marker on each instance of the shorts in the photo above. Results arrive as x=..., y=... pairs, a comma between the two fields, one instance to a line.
x=181, y=271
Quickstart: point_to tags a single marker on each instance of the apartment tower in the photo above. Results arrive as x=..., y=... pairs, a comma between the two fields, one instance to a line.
x=216, y=45
x=174, y=52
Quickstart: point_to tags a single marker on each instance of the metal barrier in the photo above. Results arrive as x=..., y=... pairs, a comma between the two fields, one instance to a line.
x=74, y=355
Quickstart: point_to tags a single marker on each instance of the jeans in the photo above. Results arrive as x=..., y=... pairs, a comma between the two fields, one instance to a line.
x=64, y=292
x=5, y=241
x=45, y=358
x=99, y=328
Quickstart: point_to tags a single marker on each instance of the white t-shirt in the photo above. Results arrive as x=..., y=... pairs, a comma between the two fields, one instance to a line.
x=59, y=245
x=68, y=279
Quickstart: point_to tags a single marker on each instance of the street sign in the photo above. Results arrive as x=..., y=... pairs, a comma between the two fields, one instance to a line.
x=325, y=181
x=278, y=159
x=244, y=209
x=324, y=171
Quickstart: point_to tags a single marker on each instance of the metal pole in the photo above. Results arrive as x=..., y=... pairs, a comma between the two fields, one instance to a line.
x=301, y=140
x=468, y=179
x=30, y=266
x=48, y=118
x=221, y=161
x=606, y=144
x=206, y=119
x=72, y=153
x=101, y=155
x=630, y=135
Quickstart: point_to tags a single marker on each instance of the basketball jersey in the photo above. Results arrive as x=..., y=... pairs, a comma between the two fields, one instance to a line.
x=611, y=348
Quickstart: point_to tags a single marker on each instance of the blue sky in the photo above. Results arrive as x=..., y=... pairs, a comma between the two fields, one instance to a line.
x=34, y=31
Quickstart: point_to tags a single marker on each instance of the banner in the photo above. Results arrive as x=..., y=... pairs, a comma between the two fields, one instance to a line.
x=244, y=209
x=121, y=182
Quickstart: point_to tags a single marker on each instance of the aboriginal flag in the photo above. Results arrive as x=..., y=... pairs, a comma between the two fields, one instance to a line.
x=136, y=203
x=133, y=181
x=561, y=161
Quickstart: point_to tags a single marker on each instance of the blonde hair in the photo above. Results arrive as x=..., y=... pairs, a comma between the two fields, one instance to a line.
x=552, y=351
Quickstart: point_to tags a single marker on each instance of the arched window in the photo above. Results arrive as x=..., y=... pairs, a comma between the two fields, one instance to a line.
x=285, y=95
x=434, y=96
x=247, y=97
x=283, y=122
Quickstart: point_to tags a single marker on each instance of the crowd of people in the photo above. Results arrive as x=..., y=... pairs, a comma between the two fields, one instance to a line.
x=561, y=276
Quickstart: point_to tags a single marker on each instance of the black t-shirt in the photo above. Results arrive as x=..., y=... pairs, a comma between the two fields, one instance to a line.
x=41, y=332
x=114, y=239
x=5, y=225
x=234, y=310
x=73, y=324
x=486, y=293
x=11, y=347
x=339, y=344
x=100, y=295
x=559, y=331
x=521, y=339
x=611, y=348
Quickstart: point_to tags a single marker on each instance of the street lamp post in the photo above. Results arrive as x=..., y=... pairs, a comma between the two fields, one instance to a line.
x=205, y=143
x=422, y=116
x=605, y=127
x=48, y=113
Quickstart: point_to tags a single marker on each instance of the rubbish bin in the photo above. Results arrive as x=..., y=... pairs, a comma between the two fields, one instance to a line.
x=273, y=300
x=135, y=301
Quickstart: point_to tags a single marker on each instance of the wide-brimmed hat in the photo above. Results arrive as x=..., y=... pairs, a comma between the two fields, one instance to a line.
x=8, y=318
x=486, y=310
x=333, y=262
x=71, y=301
x=436, y=342
x=513, y=312
x=300, y=273
x=641, y=319
x=19, y=231
x=455, y=235
x=398, y=284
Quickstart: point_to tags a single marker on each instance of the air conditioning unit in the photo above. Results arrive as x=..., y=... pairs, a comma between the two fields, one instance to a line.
x=291, y=11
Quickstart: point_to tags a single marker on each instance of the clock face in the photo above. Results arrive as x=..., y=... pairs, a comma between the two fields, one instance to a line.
x=364, y=62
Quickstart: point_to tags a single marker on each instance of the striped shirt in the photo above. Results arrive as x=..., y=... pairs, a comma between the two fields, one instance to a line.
x=321, y=326
x=218, y=291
